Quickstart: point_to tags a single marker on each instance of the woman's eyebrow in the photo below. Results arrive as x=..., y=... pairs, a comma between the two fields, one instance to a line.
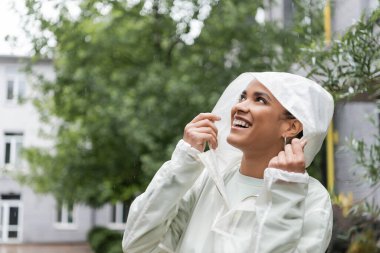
x=263, y=94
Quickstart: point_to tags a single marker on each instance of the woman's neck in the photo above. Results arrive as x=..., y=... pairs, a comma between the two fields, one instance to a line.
x=254, y=164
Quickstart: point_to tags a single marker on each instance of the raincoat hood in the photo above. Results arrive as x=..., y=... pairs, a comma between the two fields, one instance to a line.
x=306, y=100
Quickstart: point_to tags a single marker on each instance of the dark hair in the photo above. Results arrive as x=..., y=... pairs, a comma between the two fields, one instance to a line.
x=290, y=116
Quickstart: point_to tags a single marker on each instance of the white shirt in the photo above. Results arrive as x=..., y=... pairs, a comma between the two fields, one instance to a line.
x=241, y=187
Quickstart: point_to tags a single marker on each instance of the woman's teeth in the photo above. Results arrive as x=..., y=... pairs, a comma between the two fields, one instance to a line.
x=240, y=123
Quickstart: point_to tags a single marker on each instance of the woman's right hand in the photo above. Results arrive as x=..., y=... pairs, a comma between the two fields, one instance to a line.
x=201, y=130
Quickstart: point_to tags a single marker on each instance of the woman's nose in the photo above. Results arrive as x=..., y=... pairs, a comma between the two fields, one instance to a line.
x=242, y=106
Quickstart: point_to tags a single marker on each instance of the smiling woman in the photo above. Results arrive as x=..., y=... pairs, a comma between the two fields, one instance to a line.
x=259, y=127
x=252, y=185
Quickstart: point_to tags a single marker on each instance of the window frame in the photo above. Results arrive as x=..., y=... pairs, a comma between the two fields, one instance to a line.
x=62, y=211
x=11, y=157
x=118, y=213
x=19, y=86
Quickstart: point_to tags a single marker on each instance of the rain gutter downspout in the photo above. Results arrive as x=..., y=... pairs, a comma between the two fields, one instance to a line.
x=330, y=132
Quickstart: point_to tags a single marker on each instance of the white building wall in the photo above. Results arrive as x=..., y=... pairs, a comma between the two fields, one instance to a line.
x=348, y=12
x=38, y=213
x=352, y=120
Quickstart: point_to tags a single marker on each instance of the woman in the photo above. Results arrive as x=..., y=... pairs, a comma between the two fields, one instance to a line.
x=250, y=192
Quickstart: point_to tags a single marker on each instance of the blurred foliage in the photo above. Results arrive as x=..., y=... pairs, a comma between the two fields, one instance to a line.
x=104, y=240
x=356, y=226
x=365, y=232
x=368, y=157
x=350, y=65
x=345, y=202
x=131, y=74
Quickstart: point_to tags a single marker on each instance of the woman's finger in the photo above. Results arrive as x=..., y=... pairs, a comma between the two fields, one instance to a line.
x=303, y=143
x=207, y=130
x=299, y=156
x=205, y=137
x=201, y=130
x=289, y=152
x=207, y=115
x=282, y=159
x=204, y=123
x=297, y=146
x=213, y=143
x=196, y=134
x=273, y=163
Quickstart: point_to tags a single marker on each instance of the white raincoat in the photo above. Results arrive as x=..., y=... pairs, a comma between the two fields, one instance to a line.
x=186, y=208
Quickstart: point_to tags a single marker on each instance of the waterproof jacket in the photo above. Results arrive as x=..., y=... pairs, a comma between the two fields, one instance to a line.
x=185, y=209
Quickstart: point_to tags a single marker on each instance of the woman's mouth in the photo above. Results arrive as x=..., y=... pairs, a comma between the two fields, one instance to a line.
x=240, y=123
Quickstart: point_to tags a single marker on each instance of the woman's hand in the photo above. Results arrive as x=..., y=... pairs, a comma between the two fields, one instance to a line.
x=292, y=159
x=201, y=130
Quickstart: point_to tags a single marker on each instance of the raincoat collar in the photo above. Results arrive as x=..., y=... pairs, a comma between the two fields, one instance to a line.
x=219, y=171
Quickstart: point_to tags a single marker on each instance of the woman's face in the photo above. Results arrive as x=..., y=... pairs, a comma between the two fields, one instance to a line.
x=258, y=120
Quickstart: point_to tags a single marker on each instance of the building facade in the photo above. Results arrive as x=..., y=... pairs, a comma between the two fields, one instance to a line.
x=27, y=217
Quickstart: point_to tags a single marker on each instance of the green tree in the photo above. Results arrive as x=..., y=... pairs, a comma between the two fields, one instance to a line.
x=131, y=74
x=351, y=64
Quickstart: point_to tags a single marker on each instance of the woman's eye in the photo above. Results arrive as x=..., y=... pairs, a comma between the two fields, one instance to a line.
x=242, y=98
x=261, y=100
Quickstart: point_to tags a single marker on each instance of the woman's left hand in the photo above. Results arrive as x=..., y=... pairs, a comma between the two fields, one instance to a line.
x=292, y=159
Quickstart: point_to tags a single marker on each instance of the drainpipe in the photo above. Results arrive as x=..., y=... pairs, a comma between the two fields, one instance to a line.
x=330, y=133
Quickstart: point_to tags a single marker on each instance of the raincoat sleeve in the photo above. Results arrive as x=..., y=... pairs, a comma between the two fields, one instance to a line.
x=166, y=204
x=293, y=214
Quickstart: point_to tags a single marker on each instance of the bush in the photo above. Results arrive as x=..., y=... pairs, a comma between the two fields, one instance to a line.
x=356, y=227
x=104, y=240
x=93, y=231
x=115, y=248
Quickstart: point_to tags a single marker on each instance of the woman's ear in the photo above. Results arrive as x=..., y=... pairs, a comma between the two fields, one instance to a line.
x=294, y=127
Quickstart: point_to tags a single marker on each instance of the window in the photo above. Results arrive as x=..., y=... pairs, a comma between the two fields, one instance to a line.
x=12, y=149
x=15, y=88
x=11, y=196
x=1, y=222
x=10, y=89
x=288, y=12
x=119, y=212
x=65, y=217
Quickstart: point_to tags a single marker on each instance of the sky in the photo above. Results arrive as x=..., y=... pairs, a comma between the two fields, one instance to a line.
x=10, y=24
x=11, y=14
x=12, y=11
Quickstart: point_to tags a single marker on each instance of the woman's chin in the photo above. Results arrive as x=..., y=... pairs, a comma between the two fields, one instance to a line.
x=233, y=141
